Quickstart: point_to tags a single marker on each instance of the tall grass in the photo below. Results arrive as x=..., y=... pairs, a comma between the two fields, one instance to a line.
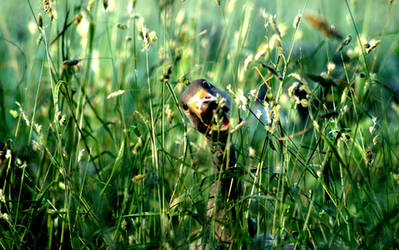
x=98, y=154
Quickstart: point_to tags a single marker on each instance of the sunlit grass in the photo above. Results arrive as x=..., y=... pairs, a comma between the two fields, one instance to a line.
x=98, y=154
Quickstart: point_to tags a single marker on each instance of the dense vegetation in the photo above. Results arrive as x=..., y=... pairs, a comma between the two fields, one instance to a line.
x=96, y=152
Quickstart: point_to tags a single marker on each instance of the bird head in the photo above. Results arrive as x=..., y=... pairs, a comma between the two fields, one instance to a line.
x=206, y=106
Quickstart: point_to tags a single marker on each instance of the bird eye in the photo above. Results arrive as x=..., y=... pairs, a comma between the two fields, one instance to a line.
x=185, y=107
x=206, y=84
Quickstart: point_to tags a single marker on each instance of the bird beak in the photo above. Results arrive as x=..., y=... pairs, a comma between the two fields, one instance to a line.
x=199, y=103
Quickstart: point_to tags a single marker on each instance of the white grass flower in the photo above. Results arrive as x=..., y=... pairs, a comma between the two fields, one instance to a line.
x=264, y=13
x=137, y=146
x=372, y=127
x=261, y=51
x=38, y=128
x=81, y=155
x=169, y=114
x=25, y=118
x=282, y=27
x=95, y=64
x=376, y=140
x=230, y=5
x=36, y=146
x=153, y=36
x=298, y=35
x=237, y=127
x=116, y=93
x=4, y=217
x=229, y=89
x=297, y=19
x=83, y=30
x=241, y=100
x=251, y=152
x=316, y=125
x=330, y=68
x=131, y=240
x=180, y=17
x=248, y=61
x=62, y=120
x=8, y=154
x=292, y=88
x=252, y=92
x=258, y=113
x=32, y=27
x=14, y=113
x=372, y=45
x=2, y=197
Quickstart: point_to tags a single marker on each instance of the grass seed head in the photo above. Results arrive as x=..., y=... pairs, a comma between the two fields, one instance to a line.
x=78, y=18
x=372, y=45
x=40, y=20
x=121, y=26
x=248, y=61
x=138, y=178
x=2, y=197
x=344, y=43
x=296, y=21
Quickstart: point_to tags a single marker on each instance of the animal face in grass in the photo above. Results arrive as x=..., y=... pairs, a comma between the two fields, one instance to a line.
x=206, y=106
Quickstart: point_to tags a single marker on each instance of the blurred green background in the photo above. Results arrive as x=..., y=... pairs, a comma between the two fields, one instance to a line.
x=97, y=153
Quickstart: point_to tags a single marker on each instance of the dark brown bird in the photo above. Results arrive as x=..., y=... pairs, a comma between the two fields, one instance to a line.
x=208, y=109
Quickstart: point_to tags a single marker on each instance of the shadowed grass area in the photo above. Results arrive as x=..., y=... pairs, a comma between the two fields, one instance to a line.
x=96, y=152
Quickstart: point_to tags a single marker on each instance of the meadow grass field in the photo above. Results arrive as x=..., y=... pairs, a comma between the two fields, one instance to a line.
x=95, y=151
